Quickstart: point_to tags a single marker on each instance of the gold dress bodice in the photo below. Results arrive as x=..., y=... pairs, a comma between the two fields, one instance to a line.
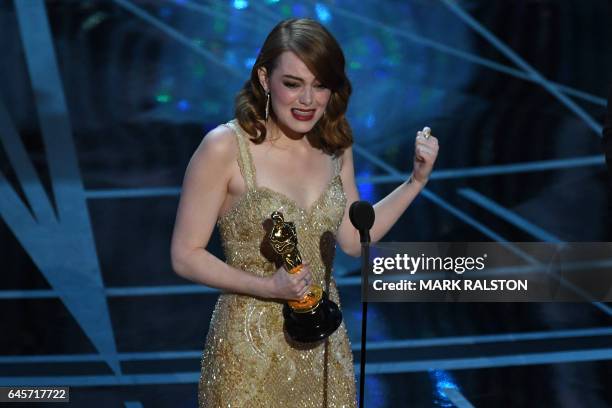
x=248, y=359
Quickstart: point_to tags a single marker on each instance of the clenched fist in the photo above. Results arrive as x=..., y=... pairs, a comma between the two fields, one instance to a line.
x=425, y=154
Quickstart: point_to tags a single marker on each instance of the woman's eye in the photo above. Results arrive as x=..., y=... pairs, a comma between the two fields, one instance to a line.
x=290, y=84
x=320, y=86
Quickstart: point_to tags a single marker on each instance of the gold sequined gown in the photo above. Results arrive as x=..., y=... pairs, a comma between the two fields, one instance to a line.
x=248, y=360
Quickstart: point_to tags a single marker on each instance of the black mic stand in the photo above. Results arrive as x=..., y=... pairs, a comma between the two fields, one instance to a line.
x=361, y=214
x=365, y=256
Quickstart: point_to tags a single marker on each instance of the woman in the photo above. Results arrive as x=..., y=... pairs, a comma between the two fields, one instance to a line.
x=288, y=149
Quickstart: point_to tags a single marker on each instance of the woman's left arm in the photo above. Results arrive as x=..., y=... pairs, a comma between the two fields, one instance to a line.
x=389, y=209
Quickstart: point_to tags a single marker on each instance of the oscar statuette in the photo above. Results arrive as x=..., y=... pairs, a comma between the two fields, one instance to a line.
x=314, y=317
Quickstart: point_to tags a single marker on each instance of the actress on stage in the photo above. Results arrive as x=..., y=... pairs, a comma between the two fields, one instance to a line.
x=288, y=150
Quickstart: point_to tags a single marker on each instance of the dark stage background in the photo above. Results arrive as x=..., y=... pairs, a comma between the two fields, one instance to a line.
x=103, y=102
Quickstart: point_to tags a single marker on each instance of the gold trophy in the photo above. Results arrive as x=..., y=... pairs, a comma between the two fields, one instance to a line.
x=314, y=316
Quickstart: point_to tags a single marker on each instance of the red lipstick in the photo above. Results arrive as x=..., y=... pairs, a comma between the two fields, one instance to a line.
x=303, y=115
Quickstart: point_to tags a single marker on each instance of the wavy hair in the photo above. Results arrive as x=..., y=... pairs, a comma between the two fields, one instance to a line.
x=322, y=54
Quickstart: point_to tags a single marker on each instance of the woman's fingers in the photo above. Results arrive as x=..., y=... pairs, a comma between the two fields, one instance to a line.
x=304, y=274
x=425, y=152
x=292, y=285
x=431, y=141
x=426, y=148
x=300, y=282
x=300, y=288
x=304, y=291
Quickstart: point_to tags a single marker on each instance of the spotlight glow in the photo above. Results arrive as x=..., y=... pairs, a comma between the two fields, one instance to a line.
x=323, y=13
x=163, y=97
x=442, y=381
x=249, y=62
x=183, y=105
x=241, y=4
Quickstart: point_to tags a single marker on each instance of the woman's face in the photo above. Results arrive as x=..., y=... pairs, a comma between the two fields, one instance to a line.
x=296, y=96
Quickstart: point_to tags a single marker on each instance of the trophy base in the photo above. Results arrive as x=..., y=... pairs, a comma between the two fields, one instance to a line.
x=315, y=325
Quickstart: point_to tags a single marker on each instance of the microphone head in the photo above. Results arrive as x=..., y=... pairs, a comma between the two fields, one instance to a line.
x=361, y=214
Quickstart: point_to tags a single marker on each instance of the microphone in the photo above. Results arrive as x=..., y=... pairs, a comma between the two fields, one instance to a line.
x=361, y=215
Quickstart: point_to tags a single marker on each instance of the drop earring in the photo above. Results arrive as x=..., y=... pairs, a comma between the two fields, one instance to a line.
x=267, y=104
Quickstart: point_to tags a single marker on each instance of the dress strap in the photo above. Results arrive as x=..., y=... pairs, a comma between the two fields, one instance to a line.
x=337, y=165
x=245, y=161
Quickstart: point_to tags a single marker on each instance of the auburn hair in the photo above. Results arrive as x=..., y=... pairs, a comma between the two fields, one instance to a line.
x=322, y=55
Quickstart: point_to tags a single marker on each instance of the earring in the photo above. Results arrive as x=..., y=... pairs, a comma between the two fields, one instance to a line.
x=267, y=104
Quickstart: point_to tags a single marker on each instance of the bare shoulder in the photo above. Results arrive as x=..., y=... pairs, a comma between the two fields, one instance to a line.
x=220, y=141
x=218, y=147
x=216, y=153
x=346, y=157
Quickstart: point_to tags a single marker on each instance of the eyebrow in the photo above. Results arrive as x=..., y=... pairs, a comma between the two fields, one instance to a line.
x=297, y=78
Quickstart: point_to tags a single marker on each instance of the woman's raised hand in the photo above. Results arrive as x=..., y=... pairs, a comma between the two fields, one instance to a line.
x=425, y=154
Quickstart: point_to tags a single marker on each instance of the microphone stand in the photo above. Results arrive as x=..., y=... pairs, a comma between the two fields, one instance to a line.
x=361, y=214
x=365, y=256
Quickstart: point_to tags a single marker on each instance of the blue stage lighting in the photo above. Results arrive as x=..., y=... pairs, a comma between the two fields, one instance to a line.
x=241, y=4
x=323, y=13
x=183, y=105
x=299, y=10
x=443, y=381
x=370, y=121
x=366, y=190
x=249, y=62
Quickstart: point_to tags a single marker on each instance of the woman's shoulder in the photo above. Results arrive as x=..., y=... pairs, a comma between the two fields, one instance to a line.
x=345, y=155
x=218, y=144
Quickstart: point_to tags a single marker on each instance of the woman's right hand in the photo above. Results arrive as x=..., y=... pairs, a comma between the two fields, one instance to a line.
x=287, y=286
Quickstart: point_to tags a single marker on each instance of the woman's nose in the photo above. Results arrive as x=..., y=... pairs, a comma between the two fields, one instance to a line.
x=306, y=96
